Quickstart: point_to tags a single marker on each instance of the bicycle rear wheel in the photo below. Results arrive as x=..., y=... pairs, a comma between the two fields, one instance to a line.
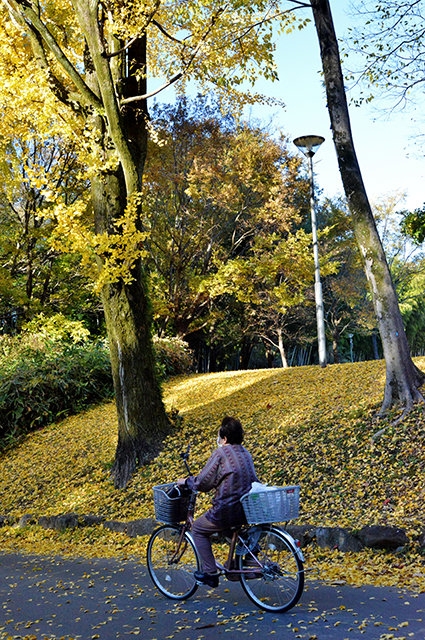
x=172, y=567
x=278, y=583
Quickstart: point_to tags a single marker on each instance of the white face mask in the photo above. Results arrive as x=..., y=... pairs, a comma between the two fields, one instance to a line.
x=219, y=444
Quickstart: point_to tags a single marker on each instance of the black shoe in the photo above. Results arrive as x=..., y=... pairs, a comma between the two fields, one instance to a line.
x=210, y=579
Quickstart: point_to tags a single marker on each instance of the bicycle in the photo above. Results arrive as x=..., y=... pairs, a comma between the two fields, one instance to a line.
x=266, y=560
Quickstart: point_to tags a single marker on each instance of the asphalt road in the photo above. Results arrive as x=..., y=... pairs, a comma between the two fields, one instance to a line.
x=52, y=598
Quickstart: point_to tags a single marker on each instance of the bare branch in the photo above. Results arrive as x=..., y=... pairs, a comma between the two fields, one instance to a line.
x=153, y=93
x=186, y=67
x=166, y=34
x=122, y=50
x=266, y=338
x=301, y=5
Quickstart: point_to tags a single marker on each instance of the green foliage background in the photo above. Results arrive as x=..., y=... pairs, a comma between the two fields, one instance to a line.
x=38, y=386
x=43, y=380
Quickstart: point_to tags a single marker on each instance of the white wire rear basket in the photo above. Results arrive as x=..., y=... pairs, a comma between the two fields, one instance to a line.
x=277, y=504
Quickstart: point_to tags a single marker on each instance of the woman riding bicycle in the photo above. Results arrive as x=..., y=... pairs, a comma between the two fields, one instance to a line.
x=230, y=471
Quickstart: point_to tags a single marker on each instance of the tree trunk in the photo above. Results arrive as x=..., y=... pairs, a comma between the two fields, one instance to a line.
x=335, y=342
x=46, y=283
x=142, y=420
x=269, y=357
x=247, y=346
x=375, y=344
x=282, y=349
x=402, y=376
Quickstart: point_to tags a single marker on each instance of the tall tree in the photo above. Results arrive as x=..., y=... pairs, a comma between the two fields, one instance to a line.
x=406, y=262
x=85, y=64
x=347, y=305
x=403, y=378
x=270, y=279
x=213, y=187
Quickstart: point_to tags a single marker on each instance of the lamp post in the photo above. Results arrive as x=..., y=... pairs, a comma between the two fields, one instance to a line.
x=350, y=335
x=309, y=145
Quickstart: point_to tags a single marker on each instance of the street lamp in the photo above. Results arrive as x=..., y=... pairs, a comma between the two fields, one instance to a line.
x=309, y=145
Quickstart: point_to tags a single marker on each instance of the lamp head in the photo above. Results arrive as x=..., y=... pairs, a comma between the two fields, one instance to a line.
x=308, y=144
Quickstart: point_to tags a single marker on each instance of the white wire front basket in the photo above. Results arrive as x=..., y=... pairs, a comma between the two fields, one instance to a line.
x=276, y=504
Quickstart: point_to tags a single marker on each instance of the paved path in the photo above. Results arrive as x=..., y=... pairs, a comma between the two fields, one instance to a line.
x=58, y=599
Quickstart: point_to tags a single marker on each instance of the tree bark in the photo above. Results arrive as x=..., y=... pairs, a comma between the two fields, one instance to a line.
x=335, y=343
x=247, y=345
x=142, y=423
x=142, y=420
x=375, y=344
x=402, y=376
x=282, y=349
x=269, y=357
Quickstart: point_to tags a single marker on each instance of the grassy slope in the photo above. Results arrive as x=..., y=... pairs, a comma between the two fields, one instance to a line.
x=304, y=426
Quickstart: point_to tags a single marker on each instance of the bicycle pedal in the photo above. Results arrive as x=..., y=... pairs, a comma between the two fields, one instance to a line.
x=206, y=584
x=233, y=577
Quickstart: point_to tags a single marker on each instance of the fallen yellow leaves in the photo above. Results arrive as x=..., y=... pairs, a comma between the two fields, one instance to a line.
x=307, y=426
x=369, y=567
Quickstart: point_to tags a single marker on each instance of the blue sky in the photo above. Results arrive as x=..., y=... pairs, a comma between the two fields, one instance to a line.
x=387, y=155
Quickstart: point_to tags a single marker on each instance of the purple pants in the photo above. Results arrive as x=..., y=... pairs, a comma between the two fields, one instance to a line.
x=202, y=529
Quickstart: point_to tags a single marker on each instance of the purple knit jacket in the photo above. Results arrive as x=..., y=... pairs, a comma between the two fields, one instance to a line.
x=230, y=471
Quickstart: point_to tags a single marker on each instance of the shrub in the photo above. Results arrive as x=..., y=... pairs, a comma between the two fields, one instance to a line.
x=43, y=380
x=38, y=386
x=173, y=357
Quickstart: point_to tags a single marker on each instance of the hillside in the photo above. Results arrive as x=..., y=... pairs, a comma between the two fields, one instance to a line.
x=306, y=426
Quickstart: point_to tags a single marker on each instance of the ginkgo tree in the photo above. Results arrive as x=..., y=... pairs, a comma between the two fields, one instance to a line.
x=82, y=67
x=270, y=281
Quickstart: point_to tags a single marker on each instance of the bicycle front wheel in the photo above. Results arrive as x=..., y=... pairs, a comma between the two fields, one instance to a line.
x=171, y=566
x=276, y=582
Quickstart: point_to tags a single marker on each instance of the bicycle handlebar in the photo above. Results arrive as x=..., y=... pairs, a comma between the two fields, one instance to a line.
x=184, y=455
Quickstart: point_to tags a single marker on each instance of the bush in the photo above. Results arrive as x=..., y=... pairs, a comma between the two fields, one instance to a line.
x=173, y=357
x=43, y=380
x=56, y=328
x=39, y=385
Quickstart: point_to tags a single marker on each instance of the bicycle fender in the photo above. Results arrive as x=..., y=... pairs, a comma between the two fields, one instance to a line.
x=189, y=535
x=291, y=542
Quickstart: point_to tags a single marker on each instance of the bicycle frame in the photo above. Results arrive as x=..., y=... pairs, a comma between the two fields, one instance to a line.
x=228, y=567
x=186, y=527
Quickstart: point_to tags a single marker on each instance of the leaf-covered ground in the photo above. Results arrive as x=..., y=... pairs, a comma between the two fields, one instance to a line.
x=307, y=426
